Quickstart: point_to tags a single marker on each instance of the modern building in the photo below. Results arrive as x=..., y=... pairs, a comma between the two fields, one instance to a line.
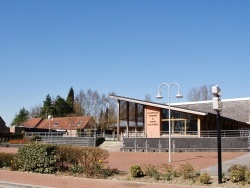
x=140, y=118
x=237, y=109
x=144, y=125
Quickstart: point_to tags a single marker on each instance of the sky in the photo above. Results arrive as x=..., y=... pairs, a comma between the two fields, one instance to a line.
x=128, y=47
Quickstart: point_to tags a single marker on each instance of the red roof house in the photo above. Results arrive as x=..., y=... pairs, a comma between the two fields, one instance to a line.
x=61, y=123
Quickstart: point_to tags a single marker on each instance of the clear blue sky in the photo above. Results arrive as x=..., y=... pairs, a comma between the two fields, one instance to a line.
x=125, y=46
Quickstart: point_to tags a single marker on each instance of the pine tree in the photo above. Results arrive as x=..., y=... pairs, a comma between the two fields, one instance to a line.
x=62, y=107
x=21, y=117
x=70, y=100
x=47, y=108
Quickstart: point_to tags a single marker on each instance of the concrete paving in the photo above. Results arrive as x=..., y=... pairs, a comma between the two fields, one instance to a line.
x=242, y=160
x=204, y=160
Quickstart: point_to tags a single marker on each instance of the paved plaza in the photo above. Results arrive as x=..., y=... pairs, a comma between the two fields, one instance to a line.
x=123, y=161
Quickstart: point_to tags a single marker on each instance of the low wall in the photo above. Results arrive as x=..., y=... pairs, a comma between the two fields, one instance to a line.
x=185, y=144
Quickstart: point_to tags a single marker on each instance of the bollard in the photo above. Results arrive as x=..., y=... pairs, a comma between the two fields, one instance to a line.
x=159, y=145
x=135, y=144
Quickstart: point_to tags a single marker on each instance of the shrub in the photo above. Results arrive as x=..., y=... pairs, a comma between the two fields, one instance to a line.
x=247, y=176
x=170, y=172
x=92, y=160
x=205, y=178
x=76, y=169
x=37, y=158
x=168, y=167
x=187, y=170
x=237, y=167
x=47, y=158
x=237, y=173
x=168, y=176
x=82, y=159
x=68, y=157
x=105, y=172
x=236, y=176
x=14, y=164
x=152, y=172
x=6, y=159
x=136, y=171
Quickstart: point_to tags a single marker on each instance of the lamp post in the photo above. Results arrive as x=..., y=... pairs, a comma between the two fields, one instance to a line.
x=217, y=106
x=159, y=96
x=50, y=117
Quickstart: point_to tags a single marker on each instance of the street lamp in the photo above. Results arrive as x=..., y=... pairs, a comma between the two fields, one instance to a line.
x=217, y=106
x=50, y=117
x=159, y=96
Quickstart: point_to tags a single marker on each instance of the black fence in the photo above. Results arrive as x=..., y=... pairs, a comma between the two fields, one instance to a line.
x=185, y=144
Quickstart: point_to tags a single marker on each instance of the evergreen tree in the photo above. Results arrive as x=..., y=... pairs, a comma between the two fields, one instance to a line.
x=21, y=117
x=70, y=100
x=48, y=108
x=62, y=107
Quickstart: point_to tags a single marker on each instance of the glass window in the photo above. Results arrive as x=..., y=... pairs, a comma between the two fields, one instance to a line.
x=132, y=113
x=191, y=122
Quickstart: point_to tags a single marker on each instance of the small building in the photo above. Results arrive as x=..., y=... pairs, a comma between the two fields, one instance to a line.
x=3, y=127
x=17, y=129
x=30, y=125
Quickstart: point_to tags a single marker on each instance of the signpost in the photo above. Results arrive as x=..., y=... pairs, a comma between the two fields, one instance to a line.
x=217, y=106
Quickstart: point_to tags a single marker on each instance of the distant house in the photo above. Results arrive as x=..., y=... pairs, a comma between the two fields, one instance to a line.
x=32, y=123
x=70, y=125
x=29, y=126
x=3, y=127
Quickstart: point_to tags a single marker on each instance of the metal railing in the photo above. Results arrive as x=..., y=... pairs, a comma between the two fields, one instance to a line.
x=63, y=134
x=143, y=134
x=226, y=133
x=212, y=133
x=44, y=134
x=64, y=142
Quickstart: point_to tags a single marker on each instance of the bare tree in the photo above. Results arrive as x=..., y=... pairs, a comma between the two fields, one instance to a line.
x=202, y=93
x=206, y=93
x=148, y=98
x=79, y=103
x=90, y=103
x=108, y=113
x=35, y=111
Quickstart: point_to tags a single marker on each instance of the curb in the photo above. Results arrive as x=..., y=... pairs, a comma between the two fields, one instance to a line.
x=19, y=185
